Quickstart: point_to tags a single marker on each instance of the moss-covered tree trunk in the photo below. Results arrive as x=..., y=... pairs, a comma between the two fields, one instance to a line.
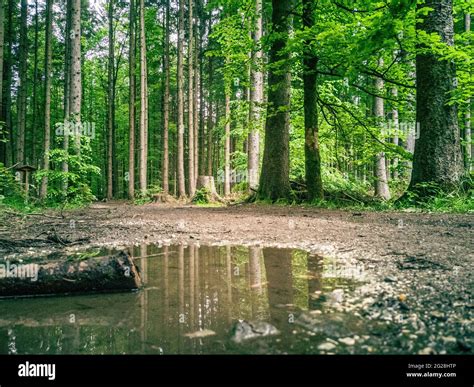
x=437, y=157
x=274, y=181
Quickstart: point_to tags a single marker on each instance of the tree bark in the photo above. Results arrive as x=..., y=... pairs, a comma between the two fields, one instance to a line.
x=166, y=101
x=467, y=118
x=256, y=100
x=274, y=180
x=76, y=69
x=110, y=104
x=381, y=184
x=227, y=146
x=395, y=138
x=7, y=97
x=191, y=178
x=98, y=274
x=67, y=86
x=314, y=182
x=437, y=157
x=36, y=81
x=22, y=87
x=143, y=103
x=131, y=106
x=180, y=73
x=48, y=58
x=3, y=150
x=210, y=118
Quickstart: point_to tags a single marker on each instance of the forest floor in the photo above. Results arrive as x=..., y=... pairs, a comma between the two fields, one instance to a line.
x=421, y=264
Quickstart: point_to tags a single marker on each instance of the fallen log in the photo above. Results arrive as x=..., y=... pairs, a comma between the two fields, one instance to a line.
x=91, y=275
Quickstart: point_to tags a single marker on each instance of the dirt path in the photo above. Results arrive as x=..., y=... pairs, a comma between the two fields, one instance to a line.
x=418, y=268
x=444, y=238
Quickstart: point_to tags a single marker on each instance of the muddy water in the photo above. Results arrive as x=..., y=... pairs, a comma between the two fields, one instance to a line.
x=192, y=298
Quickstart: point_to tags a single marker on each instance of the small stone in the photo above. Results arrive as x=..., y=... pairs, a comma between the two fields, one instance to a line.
x=390, y=278
x=326, y=347
x=426, y=351
x=449, y=339
x=337, y=295
x=347, y=341
x=402, y=297
x=437, y=315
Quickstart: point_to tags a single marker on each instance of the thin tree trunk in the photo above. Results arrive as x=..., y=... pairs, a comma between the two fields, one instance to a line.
x=210, y=128
x=274, y=180
x=191, y=179
x=469, y=148
x=110, y=104
x=381, y=184
x=180, y=73
x=67, y=86
x=76, y=77
x=3, y=148
x=35, y=89
x=196, y=107
x=312, y=156
x=395, y=138
x=6, y=111
x=201, y=134
x=48, y=58
x=22, y=87
x=256, y=100
x=131, y=106
x=227, y=146
x=438, y=157
x=166, y=101
x=143, y=103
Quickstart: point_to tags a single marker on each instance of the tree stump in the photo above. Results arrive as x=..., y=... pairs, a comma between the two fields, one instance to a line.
x=92, y=275
x=208, y=183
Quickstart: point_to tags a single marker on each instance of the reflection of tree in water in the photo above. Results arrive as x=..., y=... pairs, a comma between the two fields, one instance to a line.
x=188, y=288
x=315, y=279
x=280, y=283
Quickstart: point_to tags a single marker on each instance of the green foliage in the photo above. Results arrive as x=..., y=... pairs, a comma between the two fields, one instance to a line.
x=202, y=196
x=77, y=179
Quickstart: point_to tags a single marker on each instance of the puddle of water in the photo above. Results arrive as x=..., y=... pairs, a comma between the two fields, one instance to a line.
x=192, y=297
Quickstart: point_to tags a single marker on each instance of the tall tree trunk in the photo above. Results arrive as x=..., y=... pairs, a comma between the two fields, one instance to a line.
x=34, y=125
x=196, y=107
x=166, y=101
x=7, y=97
x=227, y=145
x=310, y=65
x=180, y=73
x=143, y=103
x=76, y=69
x=22, y=87
x=381, y=184
x=48, y=58
x=191, y=179
x=395, y=138
x=467, y=126
x=131, y=106
x=256, y=100
x=201, y=134
x=67, y=85
x=110, y=104
x=210, y=128
x=437, y=157
x=3, y=139
x=274, y=180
